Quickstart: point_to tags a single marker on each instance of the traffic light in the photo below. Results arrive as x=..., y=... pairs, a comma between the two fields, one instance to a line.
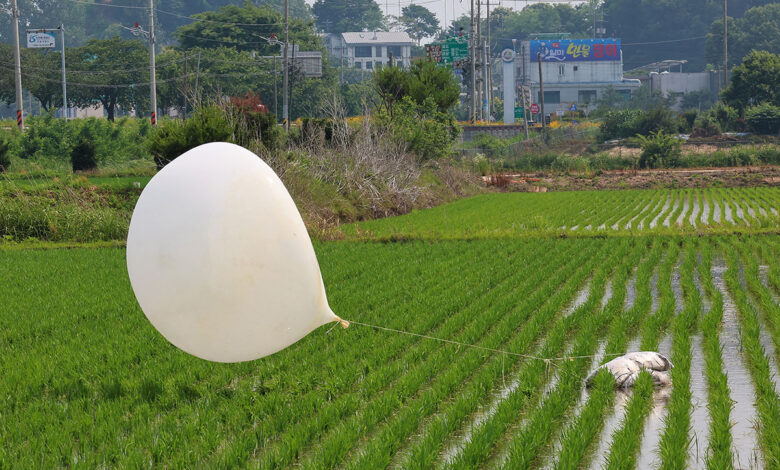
x=547, y=120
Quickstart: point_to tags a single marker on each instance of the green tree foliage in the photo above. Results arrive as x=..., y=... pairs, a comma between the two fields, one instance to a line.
x=427, y=132
x=98, y=21
x=763, y=118
x=645, y=23
x=112, y=72
x=83, y=156
x=755, y=81
x=43, y=76
x=5, y=157
x=338, y=16
x=418, y=22
x=659, y=150
x=422, y=81
x=759, y=29
x=242, y=28
x=173, y=137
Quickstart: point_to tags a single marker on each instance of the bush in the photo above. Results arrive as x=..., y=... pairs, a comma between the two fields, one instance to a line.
x=252, y=121
x=173, y=137
x=619, y=124
x=83, y=154
x=5, y=157
x=689, y=119
x=706, y=126
x=763, y=118
x=427, y=132
x=657, y=120
x=659, y=150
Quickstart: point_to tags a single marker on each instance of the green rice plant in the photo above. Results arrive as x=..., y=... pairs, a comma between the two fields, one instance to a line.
x=767, y=400
x=718, y=454
x=333, y=446
x=625, y=441
x=675, y=439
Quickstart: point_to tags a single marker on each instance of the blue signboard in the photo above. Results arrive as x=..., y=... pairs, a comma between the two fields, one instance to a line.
x=571, y=50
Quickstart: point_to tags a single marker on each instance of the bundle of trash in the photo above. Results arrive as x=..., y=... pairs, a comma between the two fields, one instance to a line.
x=626, y=368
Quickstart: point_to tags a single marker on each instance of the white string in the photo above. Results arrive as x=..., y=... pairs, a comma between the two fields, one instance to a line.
x=547, y=360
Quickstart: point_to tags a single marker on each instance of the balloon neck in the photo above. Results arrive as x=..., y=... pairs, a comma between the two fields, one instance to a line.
x=344, y=323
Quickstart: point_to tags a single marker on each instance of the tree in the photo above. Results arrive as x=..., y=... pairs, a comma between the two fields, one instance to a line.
x=230, y=27
x=755, y=81
x=419, y=22
x=338, y=16
x=430, y=81
x=43, y=76
x=759, y=29
x=112, y=72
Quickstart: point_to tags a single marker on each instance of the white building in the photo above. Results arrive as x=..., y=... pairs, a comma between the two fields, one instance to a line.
x=366, y=50
x=574, y=71
x=677, y=84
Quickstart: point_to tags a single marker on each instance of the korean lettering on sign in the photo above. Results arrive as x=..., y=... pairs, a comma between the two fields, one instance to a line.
x=570, y=50
x=433, y=53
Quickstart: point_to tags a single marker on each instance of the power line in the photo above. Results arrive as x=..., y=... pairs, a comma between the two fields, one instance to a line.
x=204, y=20
x=108, y=5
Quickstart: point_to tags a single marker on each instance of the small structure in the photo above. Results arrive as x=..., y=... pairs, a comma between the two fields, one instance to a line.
x=368, y=49
x=626, y=368
x=677, y=84
x=574, y=71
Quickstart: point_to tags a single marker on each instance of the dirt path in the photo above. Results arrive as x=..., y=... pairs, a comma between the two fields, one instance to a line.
x=729, y=177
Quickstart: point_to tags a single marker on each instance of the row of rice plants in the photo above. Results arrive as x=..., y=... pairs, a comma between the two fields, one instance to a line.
x=583, y=430
x=660, y=211
x=718, y=454
x=627, y=439
x=761, y=295
x=450, y=417
x=767, y=400
x=543, y=304
x=485, y=436
x=524, y=447
x=578, y=439
x=384, y=364
x=675, y=441
x=493, y=329
x=61, y=313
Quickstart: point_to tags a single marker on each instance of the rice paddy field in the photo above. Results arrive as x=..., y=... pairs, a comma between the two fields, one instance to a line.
x=87, y=382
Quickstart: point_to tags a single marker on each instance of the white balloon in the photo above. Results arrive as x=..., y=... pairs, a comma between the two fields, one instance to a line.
x=220, y=260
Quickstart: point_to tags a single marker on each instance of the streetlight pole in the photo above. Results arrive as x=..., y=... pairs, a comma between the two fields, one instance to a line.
x=64, y=86
x=725, y=48
x=152, y=65
x=541, y=88
x=18, y=69
x=285, y=67
x=472, y=38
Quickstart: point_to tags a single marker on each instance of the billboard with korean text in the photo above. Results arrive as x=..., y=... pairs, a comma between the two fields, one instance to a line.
x=570, y=50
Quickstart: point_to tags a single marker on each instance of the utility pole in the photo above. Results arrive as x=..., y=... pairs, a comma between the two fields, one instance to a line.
x=725, y=48
x=197, y=80
x=486, y=96
x=64, y=86
x=541, y=88
x=285, y=67
x=152, y=67
x=473, y=67
x=276, y=98
x=478, y=55
x=18, y=69
x=489, y=87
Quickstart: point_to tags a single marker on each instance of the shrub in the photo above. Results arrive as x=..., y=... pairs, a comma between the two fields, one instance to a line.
x=706, y=125
x=619, y=124
x=427, y=132
x=252, y=121
x=689, y=119
x=763, y=118
x=656, y=120
x=83, y=155
x=5, y=157
x=659, y=150
x=171, y=138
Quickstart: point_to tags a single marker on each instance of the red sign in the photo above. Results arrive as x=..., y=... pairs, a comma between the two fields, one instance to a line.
x=534, y=108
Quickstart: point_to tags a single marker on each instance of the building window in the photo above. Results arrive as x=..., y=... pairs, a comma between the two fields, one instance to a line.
x=552, y=97
x=395, y=50
x=624, y=94
x=363, y=51
x=378, y=64
x=586, y=96
x=358, y=65
x=576, y=68
x=369, y=65
x=561, y=69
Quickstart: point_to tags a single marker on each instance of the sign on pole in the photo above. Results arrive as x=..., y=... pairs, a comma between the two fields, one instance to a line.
x=535, y=108
x=40, y=40
x=519, y=112
x=573, y=107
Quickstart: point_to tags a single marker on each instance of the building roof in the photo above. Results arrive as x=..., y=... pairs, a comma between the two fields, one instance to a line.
x=373, y=37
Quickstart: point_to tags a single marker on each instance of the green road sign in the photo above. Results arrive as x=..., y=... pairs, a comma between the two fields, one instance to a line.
x=519, y=113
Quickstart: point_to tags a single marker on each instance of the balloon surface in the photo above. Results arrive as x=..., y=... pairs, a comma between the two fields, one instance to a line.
x=220, y=260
